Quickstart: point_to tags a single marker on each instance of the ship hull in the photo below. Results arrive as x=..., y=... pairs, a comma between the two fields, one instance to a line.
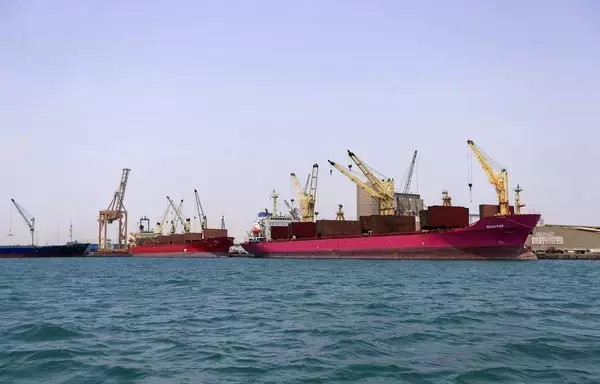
x=213, y=247
x=68, y=250
x=491, y=238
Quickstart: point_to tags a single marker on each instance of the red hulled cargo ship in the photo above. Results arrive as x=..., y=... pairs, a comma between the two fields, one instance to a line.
x=490, y=238
x=208, y=243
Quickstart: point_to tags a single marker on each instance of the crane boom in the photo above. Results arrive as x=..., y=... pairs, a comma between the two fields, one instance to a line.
x=411, y=170
x=370, y=190
x=122, y=188
x=405, y=202
x=374, y=180
x=29, y=219
x=498, y=179
x=185, y=223
x=201, y=215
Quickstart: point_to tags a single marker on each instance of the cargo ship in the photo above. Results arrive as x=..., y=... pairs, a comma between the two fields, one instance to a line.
x=66, y=250
x=208, y=243
x=490, y=238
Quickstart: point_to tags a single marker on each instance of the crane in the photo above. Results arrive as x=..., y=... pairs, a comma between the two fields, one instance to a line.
x=201, y=215
x=307, y=196
x=496, y=174
x=405, y=202
x=185, y=222
x=115, y=212
x=160, y=224
x=293, y=210
x=380, y=189
x=29, y=220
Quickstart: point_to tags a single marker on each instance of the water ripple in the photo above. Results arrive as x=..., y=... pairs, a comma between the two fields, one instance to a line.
x=298, y=321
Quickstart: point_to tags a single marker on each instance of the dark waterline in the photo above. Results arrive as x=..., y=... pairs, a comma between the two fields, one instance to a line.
x=291, y=321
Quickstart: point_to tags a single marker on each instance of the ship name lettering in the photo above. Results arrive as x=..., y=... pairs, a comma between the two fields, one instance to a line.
x=493, y=226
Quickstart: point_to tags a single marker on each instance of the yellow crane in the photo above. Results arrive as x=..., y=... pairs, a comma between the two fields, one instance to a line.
x=307, y=196
x=381, y=189
x=496, y=174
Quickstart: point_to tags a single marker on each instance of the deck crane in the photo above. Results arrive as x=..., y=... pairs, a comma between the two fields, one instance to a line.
x=160, y=224
x=293, y=210
x=29, y=220
x=498, y=177
x=404, y=205
x=201, y=215
x=307, y=197
x=380, y=189
x=115, y=212
x=185, y=222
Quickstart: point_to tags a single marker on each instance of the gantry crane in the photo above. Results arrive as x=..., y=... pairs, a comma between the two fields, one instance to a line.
x=496, y=174
x=29, y=219
x=115, y=212
x=380, y=189
x=201, y=215
x=293, y=210
x=404, y=205
x=307, y=197
x=185, y=222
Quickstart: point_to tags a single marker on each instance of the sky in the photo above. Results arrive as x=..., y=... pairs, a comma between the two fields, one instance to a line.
x=229, y=97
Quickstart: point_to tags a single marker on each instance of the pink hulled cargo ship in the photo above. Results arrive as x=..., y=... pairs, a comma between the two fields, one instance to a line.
x=490, y=238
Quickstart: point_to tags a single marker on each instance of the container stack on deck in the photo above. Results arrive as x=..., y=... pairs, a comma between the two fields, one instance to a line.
x=488, y=210
x=380, y=224
x=333, y=228
x=444, y=217
x=280, y=232
x=302, y=230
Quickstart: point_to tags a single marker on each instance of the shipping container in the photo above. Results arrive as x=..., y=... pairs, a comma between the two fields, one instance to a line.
x=279, y=232
x=365, y=224
x=448, y=217
x=329, y=228
x=487, y=210
x=193, y=236
x=302, y=230
x=381, y=224
x=424, y=218
x=209, y=233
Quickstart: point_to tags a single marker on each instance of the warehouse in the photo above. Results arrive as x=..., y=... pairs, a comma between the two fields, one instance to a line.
x=565, y=238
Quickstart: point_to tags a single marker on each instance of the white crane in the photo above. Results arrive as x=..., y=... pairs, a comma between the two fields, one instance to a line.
x=184, y=222
x=29, y=220
x=293, y=210
x=201, y=215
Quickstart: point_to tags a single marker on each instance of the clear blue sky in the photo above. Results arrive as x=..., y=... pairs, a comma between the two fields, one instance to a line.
x=229, y=97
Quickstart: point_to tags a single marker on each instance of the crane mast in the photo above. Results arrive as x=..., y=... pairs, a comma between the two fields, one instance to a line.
x=307, y=196
x=382, y=190
x=404, y=204
x=498, y=179
x=201, y=215
x=184, y=222
x=29, y=219
x=115, y=212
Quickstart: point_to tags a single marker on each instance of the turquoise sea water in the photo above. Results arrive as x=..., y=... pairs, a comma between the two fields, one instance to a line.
x=298, y=321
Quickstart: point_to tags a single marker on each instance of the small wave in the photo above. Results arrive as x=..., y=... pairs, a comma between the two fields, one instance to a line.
x=45, y=332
